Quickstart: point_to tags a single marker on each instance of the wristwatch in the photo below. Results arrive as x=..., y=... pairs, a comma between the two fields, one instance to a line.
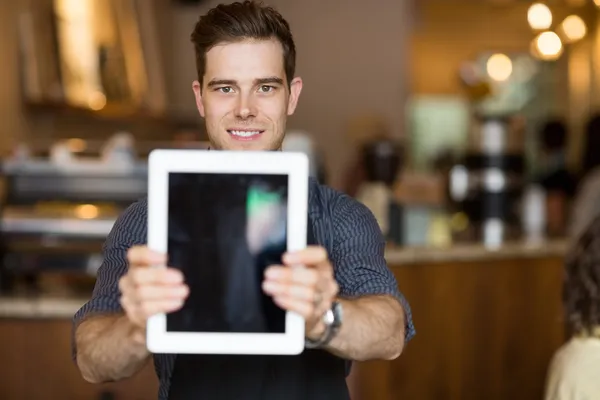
x=333, y=322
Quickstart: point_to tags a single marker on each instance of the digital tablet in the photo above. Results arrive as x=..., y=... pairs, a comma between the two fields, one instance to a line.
x=222, y=217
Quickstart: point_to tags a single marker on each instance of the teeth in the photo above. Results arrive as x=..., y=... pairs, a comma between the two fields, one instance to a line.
x=244, y=133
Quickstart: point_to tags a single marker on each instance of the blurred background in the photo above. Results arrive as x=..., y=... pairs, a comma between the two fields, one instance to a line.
x=469, y=128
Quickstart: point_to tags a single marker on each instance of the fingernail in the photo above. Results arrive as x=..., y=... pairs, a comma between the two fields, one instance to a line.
x=174, y=275
x=271, y=273
x=268, y=286
x=290, y=258
x=175, y=305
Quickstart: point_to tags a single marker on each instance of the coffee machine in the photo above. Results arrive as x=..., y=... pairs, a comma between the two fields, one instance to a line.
x=487, y=185
x=381, y=160
x=57, y=209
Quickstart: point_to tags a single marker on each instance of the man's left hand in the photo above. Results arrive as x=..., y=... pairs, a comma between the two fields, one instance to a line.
x=305, y=285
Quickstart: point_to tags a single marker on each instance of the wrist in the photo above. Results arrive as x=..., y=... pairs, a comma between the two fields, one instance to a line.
x=135, y=333
x=327, y=328
x=317, y=332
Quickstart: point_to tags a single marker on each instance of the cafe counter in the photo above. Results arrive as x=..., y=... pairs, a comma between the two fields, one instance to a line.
x=487, y=324
x=487, y=321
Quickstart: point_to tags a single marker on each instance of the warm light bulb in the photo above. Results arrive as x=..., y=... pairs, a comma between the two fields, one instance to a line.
x=573, y=28
x=548, y=46
x=597, y=2
x=97, y=101
x=87, y=211
x=499, y=67
x=539, y=16
x=76, y=145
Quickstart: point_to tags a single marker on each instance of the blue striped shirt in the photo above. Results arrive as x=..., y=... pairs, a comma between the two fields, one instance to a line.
x=345, y=227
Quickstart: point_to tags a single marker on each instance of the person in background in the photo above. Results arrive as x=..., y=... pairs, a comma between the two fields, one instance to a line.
x=574, y=372
x=556, y=179
x=586, y=205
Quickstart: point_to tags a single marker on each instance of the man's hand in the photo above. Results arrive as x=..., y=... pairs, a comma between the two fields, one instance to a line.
x=305, y=285
x=113, y=346
x=146, y=290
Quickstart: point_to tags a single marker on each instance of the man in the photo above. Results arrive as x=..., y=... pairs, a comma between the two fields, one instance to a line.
x=246, y=88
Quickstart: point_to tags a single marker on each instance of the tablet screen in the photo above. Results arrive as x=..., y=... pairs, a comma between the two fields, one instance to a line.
x=224, y=230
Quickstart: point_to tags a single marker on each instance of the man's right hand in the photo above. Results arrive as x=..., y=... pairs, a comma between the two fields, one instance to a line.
x=147, y=290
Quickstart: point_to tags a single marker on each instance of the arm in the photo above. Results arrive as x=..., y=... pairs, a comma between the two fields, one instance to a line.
x=373, y=328
x=110, y=348
x=106, y=346
x=376, y=318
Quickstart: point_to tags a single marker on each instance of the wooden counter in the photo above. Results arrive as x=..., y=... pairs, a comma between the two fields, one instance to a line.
x=37, y=365
x=487, y=324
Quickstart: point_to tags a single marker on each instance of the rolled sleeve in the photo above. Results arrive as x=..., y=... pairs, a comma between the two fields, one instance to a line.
x=128, y=230
x=359, y=256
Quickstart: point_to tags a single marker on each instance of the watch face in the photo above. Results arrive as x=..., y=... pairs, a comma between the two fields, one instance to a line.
x=329, y=318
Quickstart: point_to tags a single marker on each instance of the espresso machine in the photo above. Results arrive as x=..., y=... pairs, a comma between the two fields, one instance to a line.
x=487, y=185
x=57, y=210
x=381, y=160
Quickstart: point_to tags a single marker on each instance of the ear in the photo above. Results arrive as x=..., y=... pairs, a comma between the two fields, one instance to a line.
x=295, y=89
x=198, y=94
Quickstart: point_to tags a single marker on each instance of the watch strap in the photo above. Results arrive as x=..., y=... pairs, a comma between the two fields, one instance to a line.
x=331, y=327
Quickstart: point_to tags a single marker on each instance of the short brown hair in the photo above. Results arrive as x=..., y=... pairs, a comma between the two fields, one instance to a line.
x=238, y=21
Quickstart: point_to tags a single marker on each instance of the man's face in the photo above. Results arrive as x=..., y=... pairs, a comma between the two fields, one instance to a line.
x=244, y=97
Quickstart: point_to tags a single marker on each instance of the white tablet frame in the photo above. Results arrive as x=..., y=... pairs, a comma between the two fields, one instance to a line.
x=163, y=162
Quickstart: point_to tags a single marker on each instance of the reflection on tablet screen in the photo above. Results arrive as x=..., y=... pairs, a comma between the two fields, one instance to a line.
x=224, y=230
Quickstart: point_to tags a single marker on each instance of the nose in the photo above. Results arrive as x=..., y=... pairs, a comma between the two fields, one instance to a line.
x=245, y=107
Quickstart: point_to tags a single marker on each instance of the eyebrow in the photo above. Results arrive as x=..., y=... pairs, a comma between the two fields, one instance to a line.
x=231, y=82
x=217, y=82
x=271, y=79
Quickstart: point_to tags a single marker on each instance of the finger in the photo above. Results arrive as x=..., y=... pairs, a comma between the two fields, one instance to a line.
x=334, y=289
x=150, y=308
x=144, y=311
x=304, y=308
x=314, y=256
x=299, y=292
x=289, y=275
x=142, y=256
x=125, y=284
x=302, y=294
x=139, y=312
x=166, y=276
x=156, y=292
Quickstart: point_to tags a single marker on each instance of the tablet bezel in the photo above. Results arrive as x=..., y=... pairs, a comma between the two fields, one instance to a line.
x=163, y=162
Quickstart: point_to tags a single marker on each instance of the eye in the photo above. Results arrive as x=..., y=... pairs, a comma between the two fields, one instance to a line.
x=266, y=88
x=225, y=89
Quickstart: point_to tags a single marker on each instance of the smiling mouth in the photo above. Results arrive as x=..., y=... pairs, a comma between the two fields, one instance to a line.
x=245, y=134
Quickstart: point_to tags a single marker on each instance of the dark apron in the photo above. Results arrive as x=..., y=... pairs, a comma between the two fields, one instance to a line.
x=312, y=375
